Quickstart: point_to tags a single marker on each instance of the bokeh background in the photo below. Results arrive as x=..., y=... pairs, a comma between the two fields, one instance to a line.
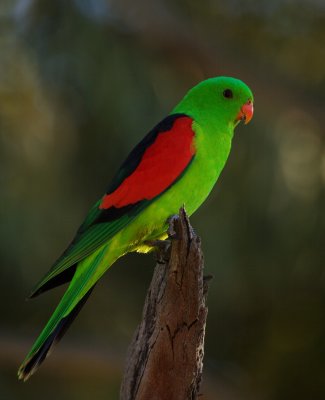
x=80, y=83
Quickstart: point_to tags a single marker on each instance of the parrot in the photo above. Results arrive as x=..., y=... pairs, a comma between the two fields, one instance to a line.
x=176, y=164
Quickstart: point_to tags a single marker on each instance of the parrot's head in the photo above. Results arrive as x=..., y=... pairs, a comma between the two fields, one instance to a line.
x=221, y=101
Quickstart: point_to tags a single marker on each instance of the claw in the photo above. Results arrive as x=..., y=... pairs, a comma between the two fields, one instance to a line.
x=162, y=249
x=171, y=230
x=160, y=244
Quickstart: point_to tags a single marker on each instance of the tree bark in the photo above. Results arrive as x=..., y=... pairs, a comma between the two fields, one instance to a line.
x=165, y=358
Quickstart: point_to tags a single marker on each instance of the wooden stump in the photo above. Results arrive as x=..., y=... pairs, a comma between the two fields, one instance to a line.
x=165, y=358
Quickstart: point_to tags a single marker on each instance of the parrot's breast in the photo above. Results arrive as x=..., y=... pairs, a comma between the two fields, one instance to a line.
x=190, y=190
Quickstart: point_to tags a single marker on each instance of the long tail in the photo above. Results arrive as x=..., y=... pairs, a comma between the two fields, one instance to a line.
x=88, y=272
x=46, y=341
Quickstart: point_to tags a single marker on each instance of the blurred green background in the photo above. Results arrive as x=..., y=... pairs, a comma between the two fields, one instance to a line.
x=80, y=83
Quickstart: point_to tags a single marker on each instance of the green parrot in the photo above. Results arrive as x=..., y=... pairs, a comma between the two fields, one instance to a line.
x=177, y=163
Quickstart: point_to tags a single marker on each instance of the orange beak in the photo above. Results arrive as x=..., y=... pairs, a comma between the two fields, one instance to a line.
x=246, y=112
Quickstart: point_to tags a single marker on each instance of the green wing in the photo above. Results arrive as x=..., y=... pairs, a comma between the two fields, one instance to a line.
x=84, y=243
x=101, y=225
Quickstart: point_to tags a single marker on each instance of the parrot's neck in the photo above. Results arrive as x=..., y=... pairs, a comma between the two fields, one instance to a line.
x=213, y=144
x=213, y=135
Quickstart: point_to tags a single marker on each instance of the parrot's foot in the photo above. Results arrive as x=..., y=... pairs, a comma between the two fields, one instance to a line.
x=206, y=282
x=160, y=244
x=171, y=230
x=162, y=249
x=208, y=278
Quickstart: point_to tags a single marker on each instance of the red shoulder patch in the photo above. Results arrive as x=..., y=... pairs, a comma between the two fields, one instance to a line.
x=161, y=164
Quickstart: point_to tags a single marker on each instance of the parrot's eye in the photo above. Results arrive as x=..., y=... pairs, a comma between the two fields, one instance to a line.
x=228, y=94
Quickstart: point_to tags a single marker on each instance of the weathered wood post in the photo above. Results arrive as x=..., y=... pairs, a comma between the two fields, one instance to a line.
x=165, y=358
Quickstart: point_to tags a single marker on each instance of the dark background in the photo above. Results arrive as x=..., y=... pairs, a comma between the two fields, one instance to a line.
x=80, y=83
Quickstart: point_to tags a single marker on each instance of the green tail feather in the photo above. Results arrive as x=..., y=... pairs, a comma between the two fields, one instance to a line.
x=71, y=303
x=43, y=346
